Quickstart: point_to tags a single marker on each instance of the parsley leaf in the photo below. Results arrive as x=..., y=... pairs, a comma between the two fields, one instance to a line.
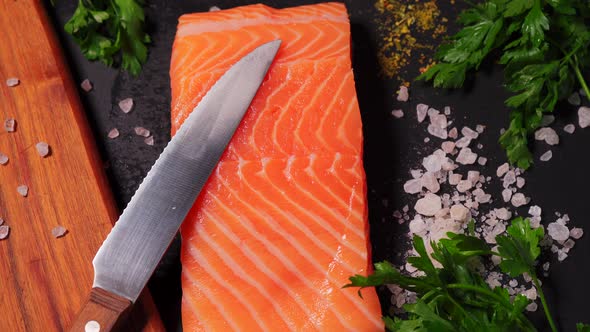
x=520, y=248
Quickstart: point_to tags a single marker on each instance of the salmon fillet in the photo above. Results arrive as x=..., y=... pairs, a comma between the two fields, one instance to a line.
x=282, y=222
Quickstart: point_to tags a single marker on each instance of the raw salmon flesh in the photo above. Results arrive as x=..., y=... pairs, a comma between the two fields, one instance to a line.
x=282, y=222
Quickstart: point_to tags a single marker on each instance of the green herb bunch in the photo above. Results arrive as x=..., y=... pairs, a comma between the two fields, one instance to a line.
x=455, y=297
x=111, y=31
x=544, y=46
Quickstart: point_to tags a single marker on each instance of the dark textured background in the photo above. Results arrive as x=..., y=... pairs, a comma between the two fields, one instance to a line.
x=391, y=146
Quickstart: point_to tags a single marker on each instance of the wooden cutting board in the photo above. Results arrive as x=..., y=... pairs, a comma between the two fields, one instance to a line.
x=44, y=281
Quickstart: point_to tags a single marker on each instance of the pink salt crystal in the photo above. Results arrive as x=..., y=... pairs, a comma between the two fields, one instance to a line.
x=548, y=135
x=413, y=186
x=403, y=94
x=482, y=161
x=10, y=125
x=432, y=112
x=480, y=128
x=12, y=82
x=535, y=211
x=464, y=185
x=126, y=105
x=569, y=128
x=453, y=133
x=502, y=169
x=463, y=142
x=439, y=120
x=466, y=156
x=558, y=232
x=584, y=116
x=569, y=244
x=448, y=146
x=397, y=214
x=416, y=173
x=430, y=182
x=454, y=179
x=3, y=159
x=576, y=233
x=532, y=307
x=58, y=231
x=561, y=255
x=214, y=9
x=421, y=111
x=546, y=156
x=4, y=231
x=469, y=133
x=428, y=205
x=42, y=149
x=23, y=190
x=86, y=85
x=520, y=182
x=149, y=140
x=437, y=131
x=473, y=176
x=397, y=114
x=426, y=139
x=113, y=133
x=518, y=199
x=432, y=163
x=447, y=110
x=141, y=131
x=503, y=214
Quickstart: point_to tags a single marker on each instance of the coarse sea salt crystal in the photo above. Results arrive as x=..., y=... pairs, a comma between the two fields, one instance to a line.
x=503, y=213
x=466, y=157
x=546, y=156
x=482, y=161
x=548, y=135
x=432, y=112
x=126, y=105
x=397, y=114
x=437, y=131
x=149, y=140
x=569, y=128
x=480, y=128
x=518, y=199
x=464, y=185
x=86, y=85
x=439, y=120
x=520, y=182
x=469, y=133
x=428, y=205
x=448, y=146
x=417, y=225
x=569, y=244
x=463, y=142
x=4, y=231
x=10, y=125
x=214, y=9
x=447, y=110
x=42, y=149
x=576, y=233
x=546, y=120
x=561, y=255
x=574, y=99
x=12, y=82
x=502, y=169
x=426, y=139
x=23, y=190
x=403, y=94
x=3, y=159
x=453, y=133
x=430, y=182
x=58, y=231
x=532, y=307
x=535, y=211
x=413, y=186
x=584, y=116
x=558, y=232
x=473, y=176
x=416, y=173
x=421, y=111
x=454, y=179
x=141, y=131
x=432, y=163
x=113, y=133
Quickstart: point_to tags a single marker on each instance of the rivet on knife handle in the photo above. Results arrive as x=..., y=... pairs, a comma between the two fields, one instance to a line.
x=103, y=309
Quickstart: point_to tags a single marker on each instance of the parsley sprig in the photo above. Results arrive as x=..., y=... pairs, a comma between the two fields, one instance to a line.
x=544, y=46
x=111, y=31
x=454, y=297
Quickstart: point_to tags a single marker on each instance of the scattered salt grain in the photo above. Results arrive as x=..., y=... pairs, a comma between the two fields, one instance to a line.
x=482, y=161
x=502, y=169
x=546, y=156
x=518, y=199
x=513, y=283
x=546, y=266
x=10, y=125
x=141, y=131
x=421, y=110
x=58, y=231
x=584, y=116
x=480, y=146
x=426, y=139
x=3, y=159
x=520, y=182
x=548, y=135
x=535, y=211
x=532, y=307
x=12, y=82
x=574, y=99
x=558, y=232
x=4, y=231
x=437, y=131
x=448, y=146
x=509, y=179
x=403, y=94
x=576, y=233
x=447, y=110
x=546, y=120
x=561, y=255
x=428, y=205
x=113, y=133
x=86, y=85
x=149, y=140
x=42, y=149
x=466, y=156
x=480, y=128
x=453, y=133
x=469, y=133
x=126, y=105
x=413, y=186
x=23, y=190
x=569, y=128
x=397, y=114
x=214, y=9
x=464, y=185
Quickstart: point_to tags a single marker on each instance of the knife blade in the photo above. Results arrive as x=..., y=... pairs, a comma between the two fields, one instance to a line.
x=137, y=242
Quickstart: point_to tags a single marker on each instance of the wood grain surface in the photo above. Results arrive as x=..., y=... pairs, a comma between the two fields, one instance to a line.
x=44, y=281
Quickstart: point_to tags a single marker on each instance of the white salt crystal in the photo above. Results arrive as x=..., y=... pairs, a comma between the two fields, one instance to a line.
x=426, y=139
x=503, y=214
x=574, y=99
x=480, y=128
x=42, y=149
x=561, y=255
x=149, y=140
x=403, y=94
x=513, y=283
x=432, y=112
x=10, y=125
x=447, y=110
x=482, y=160
x=439, y=120
x=113, y=133
x=466, y=156
x=485, y=198
x=546, y=266
x=421, y=110
x=23, y=190
x=576, y=233
x=214, y=9
x=520, y=182
x=413, y=186
x=548, y=135
x=584, y=116
x=430, y=182
x=518, y=199
x=532, y=307
x=448, y=146
x=453, y=133
x=437, y=131
x=126, y=105
x=3, y=159
x=473, y=176
x=417, y=225
x=428, y=205
x=469, y=133
x=509, y=179
x=569, y=128
x=502, y=169
x=58, y=231
x=546, y=120
x=432, y=163
x=506, y=195
x=464, y=185
x=86, y=85
x=141, y=131
x=4, y=231
x=535, y=211
x=12, y=82
x=480, y=146
x=558, y=232
x=416, y=173
x=463, y=142
x=546, y=156
x=454, y=179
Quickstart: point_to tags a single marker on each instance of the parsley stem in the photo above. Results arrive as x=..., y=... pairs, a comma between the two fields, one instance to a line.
x=544, y=302
x=581, y=80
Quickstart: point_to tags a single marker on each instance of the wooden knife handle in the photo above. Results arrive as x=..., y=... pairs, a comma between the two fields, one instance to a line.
x=104, y=308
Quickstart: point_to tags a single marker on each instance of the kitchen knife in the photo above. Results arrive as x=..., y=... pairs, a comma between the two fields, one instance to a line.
x=130, y=253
